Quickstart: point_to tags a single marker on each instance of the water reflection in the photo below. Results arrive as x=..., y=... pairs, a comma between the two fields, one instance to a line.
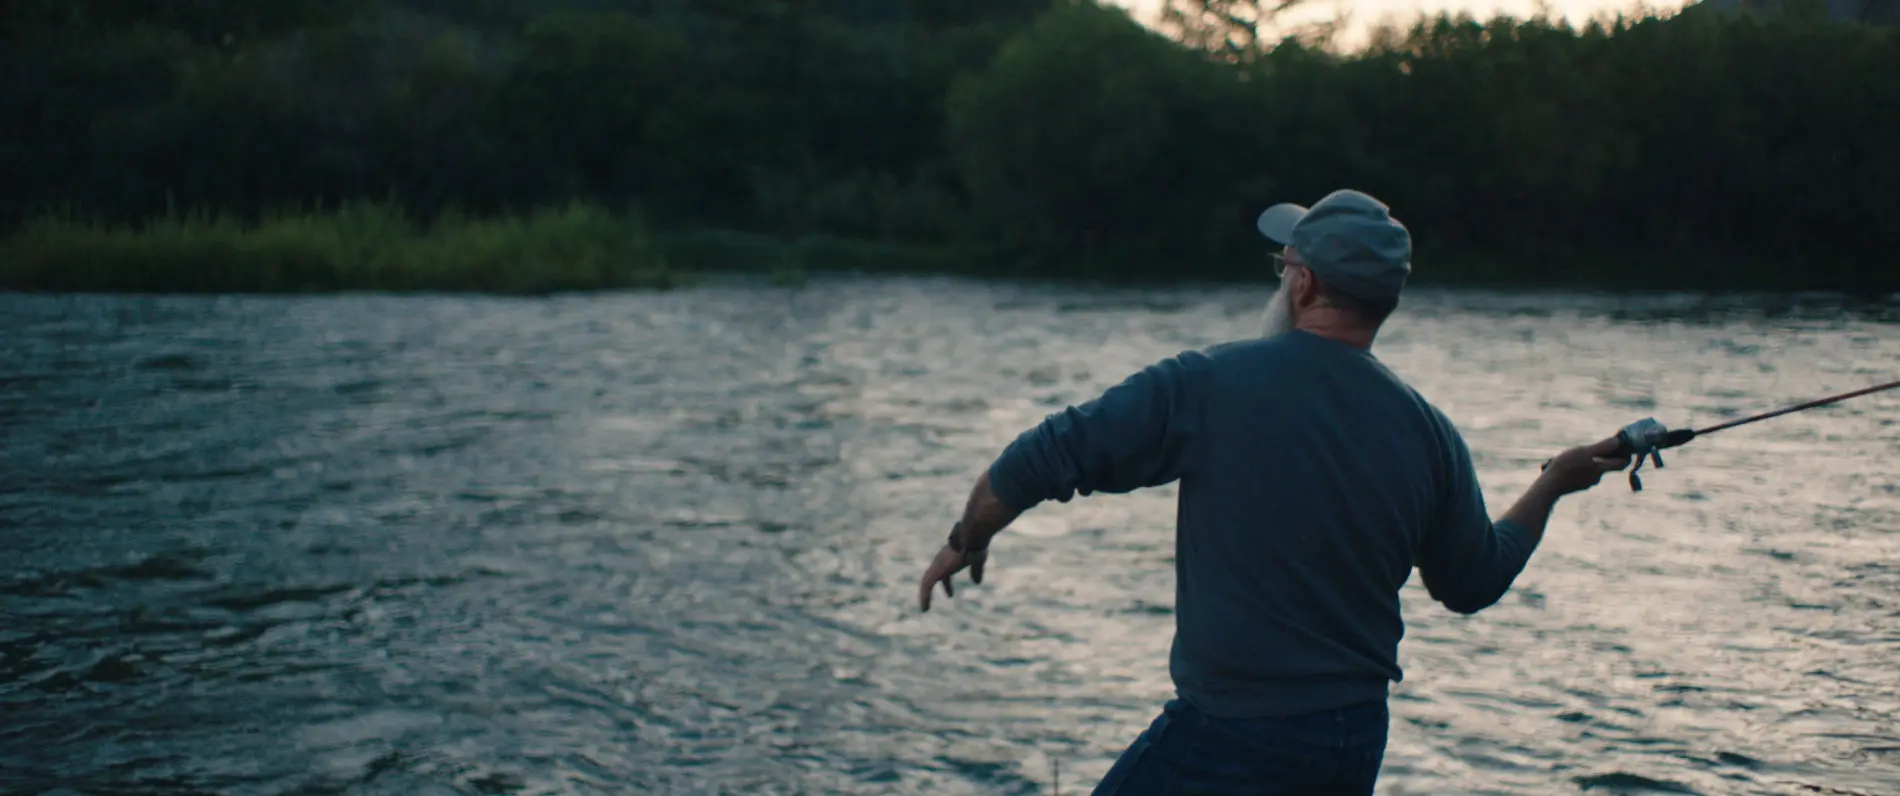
x=667, y=543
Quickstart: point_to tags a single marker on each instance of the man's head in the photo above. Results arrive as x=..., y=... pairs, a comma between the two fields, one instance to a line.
x=1346, y=255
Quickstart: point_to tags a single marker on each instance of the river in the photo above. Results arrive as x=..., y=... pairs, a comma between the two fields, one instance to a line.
x=669, y=543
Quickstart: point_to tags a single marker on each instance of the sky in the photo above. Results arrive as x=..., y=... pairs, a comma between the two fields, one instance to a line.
x=1364, y=13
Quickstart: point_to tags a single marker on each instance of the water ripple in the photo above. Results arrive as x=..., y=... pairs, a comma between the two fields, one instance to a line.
x=666, y=543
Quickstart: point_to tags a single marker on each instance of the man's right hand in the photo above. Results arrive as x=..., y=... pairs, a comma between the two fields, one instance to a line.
x=1582, y=467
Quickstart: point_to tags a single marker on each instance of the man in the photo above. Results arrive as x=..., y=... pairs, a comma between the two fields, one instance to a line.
x=1312, y=482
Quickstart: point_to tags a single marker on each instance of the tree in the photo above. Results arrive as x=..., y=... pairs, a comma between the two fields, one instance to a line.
x=1234, y=30
x=1093, y=140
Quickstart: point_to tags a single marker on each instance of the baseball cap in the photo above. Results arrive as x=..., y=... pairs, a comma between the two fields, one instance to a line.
x=1349, y=239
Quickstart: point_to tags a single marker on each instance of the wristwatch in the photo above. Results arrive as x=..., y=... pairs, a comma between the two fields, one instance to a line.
x=955, y=541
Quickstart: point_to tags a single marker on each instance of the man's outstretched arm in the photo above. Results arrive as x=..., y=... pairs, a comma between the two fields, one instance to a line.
x=1135, y=434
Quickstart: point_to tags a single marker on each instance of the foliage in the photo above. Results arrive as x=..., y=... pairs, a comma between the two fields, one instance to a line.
x=1092, y=140
x=358, y=247
x=1232, y=30
x=1703, y=149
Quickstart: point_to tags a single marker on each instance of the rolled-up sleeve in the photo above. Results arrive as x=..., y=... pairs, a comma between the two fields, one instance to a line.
x=1138, y=433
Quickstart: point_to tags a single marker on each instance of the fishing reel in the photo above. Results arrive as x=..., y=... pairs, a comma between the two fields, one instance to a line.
x=1645, y=439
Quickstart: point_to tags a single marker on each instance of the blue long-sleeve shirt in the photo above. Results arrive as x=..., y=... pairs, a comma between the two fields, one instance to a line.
x=1312, y=482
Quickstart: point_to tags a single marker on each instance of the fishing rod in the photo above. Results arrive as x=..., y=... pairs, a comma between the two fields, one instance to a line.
x=1646, y=438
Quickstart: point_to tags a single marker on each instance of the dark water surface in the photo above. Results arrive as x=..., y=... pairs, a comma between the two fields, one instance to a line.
x=669, y=543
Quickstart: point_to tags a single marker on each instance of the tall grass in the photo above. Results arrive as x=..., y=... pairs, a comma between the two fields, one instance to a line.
x=369, y=246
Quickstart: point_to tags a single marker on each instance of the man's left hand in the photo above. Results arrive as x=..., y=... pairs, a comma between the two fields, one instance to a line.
x=945, y=567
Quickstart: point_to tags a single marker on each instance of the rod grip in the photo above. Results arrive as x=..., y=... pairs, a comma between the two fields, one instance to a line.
x=1624, y=447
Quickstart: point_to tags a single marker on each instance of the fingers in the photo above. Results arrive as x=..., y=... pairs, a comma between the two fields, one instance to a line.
x=931, y=579
x=936, y=572
x=930, y=585
x=1605, y=448
x=944, y=570
x=1611, y=465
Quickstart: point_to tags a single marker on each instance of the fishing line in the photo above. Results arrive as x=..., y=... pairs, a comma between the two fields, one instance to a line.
x=1645, y=439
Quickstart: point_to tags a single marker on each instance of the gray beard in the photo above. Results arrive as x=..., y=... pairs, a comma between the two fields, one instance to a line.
x=1278, y=318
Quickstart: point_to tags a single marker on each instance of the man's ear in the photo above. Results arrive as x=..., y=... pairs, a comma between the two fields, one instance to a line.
x=1306, y=293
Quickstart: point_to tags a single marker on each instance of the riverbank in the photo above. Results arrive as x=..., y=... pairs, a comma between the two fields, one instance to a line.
x=357, y=247
x=581, y=246
x=379, y=247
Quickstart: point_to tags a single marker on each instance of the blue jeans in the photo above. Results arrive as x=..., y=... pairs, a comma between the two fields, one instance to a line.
x=1186, y=751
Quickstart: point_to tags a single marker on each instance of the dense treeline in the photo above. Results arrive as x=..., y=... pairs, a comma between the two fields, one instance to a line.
x=1046, y=136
